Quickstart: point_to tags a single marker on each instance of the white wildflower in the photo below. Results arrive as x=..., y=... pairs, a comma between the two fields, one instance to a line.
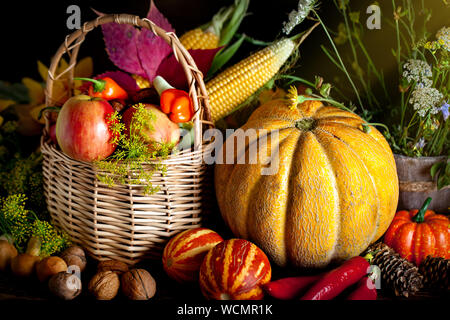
x=297, y=16
x=443, y=37
x=426, y=100
x=418, y=71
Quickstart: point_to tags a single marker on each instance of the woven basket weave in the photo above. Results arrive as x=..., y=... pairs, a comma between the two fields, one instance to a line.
x=121, y=222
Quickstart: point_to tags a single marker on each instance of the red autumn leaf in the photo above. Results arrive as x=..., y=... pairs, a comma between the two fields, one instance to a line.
x=137, y=51
x=151, y=48
x=120, y=42
x=173, y=73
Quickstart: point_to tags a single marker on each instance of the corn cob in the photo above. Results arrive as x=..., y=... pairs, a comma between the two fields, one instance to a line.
x=200, y=39
x=219, y=31
x=237, y=83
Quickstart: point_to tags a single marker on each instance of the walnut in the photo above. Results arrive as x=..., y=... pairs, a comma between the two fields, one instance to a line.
x=104, y=285
x=74, y=256
x=65, y=285
x=138, y=284
x=112, y=265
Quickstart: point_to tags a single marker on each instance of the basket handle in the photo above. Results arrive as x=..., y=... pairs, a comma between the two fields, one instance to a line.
x=194, y=76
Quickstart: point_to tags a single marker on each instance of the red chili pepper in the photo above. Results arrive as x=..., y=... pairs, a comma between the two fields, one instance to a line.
x=337, y=280
x=290, y=288
x=176, y=103
x=365, y=290
x=105, y=88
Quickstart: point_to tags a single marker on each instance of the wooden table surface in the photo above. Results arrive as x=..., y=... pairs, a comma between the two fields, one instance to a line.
x=12, y=287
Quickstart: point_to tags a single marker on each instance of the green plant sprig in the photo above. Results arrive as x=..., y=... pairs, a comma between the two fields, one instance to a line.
x=135, y=160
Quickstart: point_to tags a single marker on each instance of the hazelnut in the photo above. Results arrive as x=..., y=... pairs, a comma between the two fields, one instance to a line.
x=74, y=255
x=7, y=253
x=104, y=285
x=138, y=284
x=50, y=266
x=24, y=264
x=112, y=265
x=65, y=285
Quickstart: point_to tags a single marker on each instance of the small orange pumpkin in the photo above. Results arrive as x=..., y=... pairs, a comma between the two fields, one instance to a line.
x=415, y=234
x=235, y=270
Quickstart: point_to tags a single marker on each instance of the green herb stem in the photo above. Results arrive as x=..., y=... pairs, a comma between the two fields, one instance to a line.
x=340, y=59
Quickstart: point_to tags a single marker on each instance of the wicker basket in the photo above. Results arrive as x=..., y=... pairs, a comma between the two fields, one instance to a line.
x=121, y=222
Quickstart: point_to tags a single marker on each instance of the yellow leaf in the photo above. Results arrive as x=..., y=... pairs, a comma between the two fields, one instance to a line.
x=35, y=91
x=5, y=104
x=1, y=121
x=59, y=93
x=84, y=68
x=63, y=65
x=43, y=70
x=34, y=113
x=26, y=125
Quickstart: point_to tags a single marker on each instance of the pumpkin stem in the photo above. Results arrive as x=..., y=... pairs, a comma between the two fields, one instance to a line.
x=305, y=124
x=419, y=217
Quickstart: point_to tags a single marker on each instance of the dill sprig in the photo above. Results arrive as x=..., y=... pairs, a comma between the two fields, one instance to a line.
x=20, y=224
x=135, y=159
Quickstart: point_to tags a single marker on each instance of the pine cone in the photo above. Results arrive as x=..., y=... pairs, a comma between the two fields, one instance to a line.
x=436, y=273
x=397, y=274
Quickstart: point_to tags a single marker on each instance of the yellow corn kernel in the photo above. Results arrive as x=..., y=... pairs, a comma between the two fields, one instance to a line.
x=234, y=85
x=199, y=39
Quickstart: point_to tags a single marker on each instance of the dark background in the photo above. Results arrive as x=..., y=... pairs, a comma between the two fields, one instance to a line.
x=33, y=30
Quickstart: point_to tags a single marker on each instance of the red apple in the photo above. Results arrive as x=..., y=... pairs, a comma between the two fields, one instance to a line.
x=52, y=133
x=160, y=130
x=82, y=129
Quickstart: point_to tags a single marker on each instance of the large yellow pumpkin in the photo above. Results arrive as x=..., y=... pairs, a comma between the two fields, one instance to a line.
x=335, y=191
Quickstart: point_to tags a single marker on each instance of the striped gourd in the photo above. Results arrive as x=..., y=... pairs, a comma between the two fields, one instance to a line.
x=237, y=83
x=235, y=269
x=200, y=39
x=184, y=253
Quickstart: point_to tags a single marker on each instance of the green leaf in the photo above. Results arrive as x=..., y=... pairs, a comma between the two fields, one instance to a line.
x=224, y=55
x=436, y=168
x=233, y=24
x=444, y=179
x=254, y=41
x=17, y=92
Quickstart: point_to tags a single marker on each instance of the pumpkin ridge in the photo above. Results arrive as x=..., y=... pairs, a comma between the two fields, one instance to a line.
x=382, y=225
x=289, y=203
x=276, y=251
x=355, y=128
x=439, y=246
x=336, y=194
x=290, y=222
x=373, y=186
x=413, y=243
x=240, y=226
